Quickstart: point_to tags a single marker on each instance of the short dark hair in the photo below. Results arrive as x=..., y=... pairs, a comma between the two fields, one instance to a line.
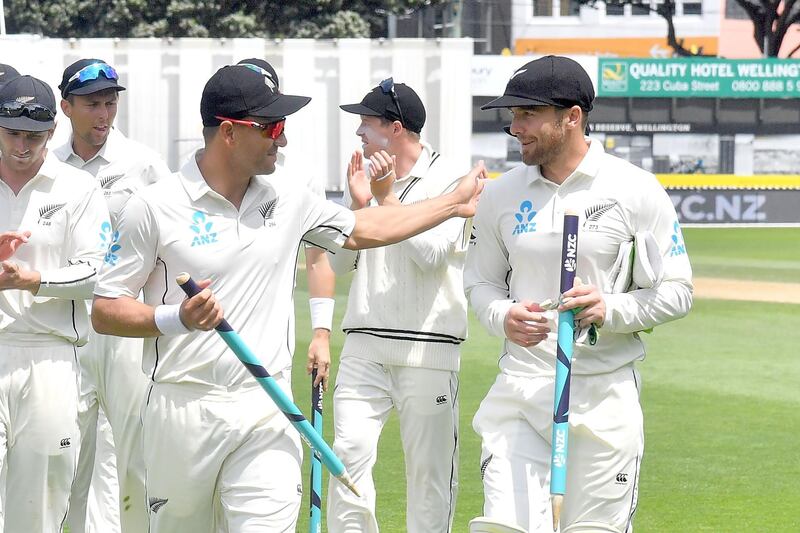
x=209, y=132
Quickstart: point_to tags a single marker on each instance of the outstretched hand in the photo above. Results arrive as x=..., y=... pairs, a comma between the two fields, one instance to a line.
x=382, y=175
x=10, y=241
x=469, y=190
x=14, y=277
x=358, y=182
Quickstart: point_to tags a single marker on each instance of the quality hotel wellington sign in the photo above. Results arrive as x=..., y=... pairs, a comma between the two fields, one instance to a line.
x=699, y=77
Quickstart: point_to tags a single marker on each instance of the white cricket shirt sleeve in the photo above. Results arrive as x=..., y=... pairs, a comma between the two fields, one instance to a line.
x=343, y=260
x=430, y=250
x=326, y=224
x=127, y=272
x=76, y=280
x=487, y=269
x=642, y=309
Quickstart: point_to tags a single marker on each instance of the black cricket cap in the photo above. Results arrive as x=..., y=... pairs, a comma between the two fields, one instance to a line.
x=29, y=91
x=7, y=73
x=378, y=103
x=265, y=66
x=100, y=83
x=550, y=80
x=237, y=91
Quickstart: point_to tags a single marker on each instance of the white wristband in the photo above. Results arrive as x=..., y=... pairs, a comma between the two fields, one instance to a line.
x=321, y=312
x=168, y=320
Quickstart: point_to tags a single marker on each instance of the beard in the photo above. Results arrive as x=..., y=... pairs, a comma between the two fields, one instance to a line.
x=548, y=147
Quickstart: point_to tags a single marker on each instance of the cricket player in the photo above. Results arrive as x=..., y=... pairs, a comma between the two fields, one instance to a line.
x=405, y=321
x=514, y=264
x=321, y=279
x=51, y=221
x=218, y=453
x=112, y=382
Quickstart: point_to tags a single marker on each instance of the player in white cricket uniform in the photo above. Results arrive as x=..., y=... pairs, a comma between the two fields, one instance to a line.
x=514, y=264
x=52, y=217
x=405, y=321
x=218, y=453
x=321, y=279
x=110, y=470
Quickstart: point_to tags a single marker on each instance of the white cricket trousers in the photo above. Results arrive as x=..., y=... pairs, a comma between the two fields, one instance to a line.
x=38, y=435
x=427, y=405
x=108, y=493
x=606, y=442
x=220, y=461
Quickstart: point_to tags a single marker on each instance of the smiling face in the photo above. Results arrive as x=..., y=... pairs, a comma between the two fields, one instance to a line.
x=22, y=152
x=540, y=131
x=258, y=148
x=375, y=134
x=92, y=116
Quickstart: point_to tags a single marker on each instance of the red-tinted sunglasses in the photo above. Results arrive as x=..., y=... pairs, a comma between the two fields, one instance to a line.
x=272, y=130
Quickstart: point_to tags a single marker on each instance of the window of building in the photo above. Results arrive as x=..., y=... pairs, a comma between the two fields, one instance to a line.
x=570, y=8
x=656, y=110
x=698, y=111
x=737, y=111
x=640, y=8
x=614, y=110
x=734, y=11
x=542, y=8
x=615, y=8
x=781, y=111
x=694, y=8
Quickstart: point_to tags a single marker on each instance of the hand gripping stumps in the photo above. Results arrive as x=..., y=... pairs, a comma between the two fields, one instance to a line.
x=267, y=382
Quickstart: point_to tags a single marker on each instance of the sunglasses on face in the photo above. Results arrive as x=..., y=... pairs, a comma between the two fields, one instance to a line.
x=35, y=112
x=93, y=71
x=387, y=87
x=271, y=130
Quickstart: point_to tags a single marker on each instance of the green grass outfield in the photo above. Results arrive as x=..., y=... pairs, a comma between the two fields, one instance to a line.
x=720, y=398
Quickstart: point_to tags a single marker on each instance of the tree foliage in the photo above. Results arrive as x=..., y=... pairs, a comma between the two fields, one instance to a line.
x=771, y=21
x=205, y=18
x=664, y=9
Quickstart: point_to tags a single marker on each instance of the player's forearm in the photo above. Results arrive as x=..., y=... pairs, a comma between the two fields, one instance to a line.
x=321, y=279
x=123, y=317
x=73, y=282
x=643, y=309
x=491, y=304
x=383, y=225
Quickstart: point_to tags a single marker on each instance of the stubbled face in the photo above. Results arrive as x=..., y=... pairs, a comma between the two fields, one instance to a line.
x=23, y=151
x=374, y=134
x=540, y=131
x=261, y=150
x=92, y=116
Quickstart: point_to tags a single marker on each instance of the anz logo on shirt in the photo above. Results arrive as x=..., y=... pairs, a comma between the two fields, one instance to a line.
x=202, y=229
x=525, y=223
x=109, y=240
x=678, y=245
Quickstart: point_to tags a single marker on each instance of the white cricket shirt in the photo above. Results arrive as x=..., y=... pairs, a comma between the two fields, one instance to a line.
x=180, y=225
x=121, y=167
x=406, y=304
x=515, y=255
x=63, y=209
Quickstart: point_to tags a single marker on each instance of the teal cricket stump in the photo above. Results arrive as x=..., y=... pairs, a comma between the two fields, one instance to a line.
x=315, y=517
x=267, y=382
x=566, y=332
